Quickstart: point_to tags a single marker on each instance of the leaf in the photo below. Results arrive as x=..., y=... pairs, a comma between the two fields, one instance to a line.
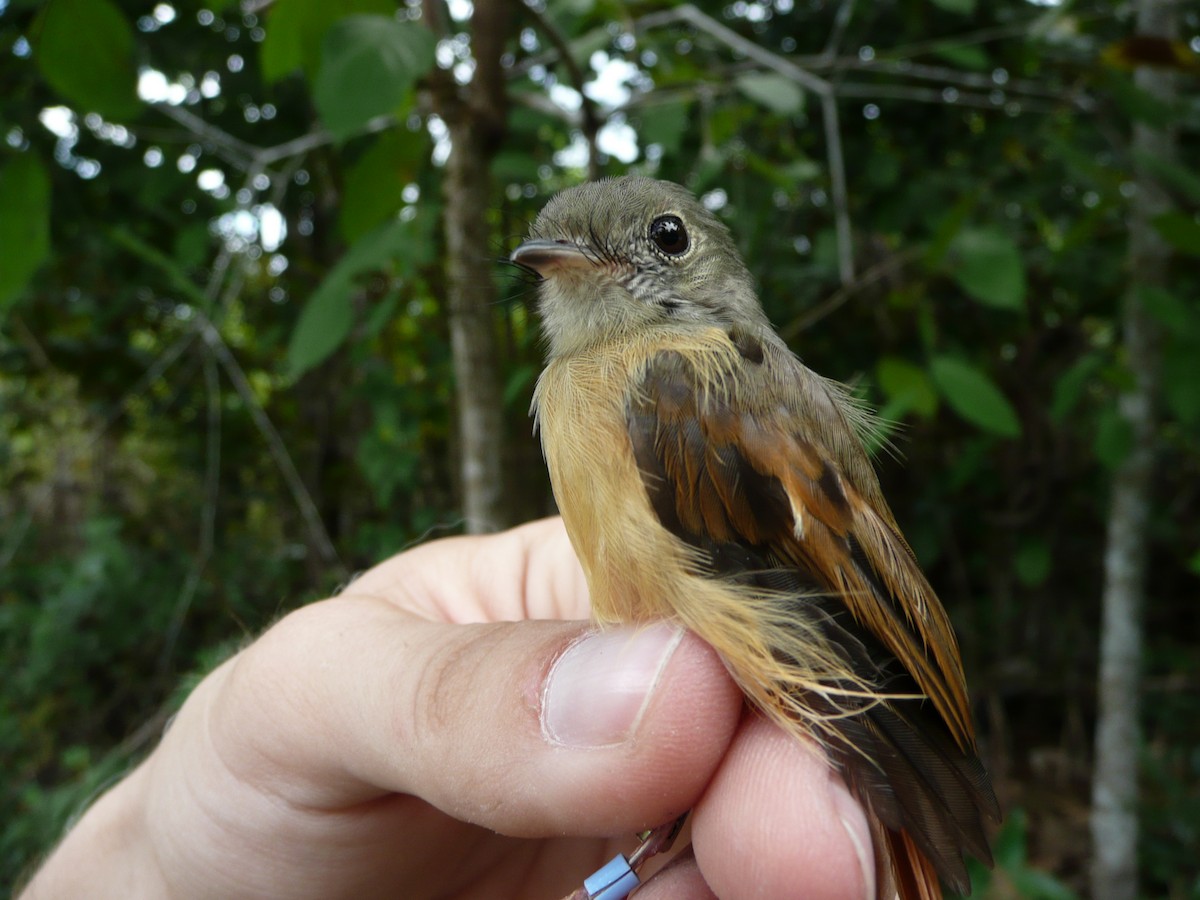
x=589, y=42
x=1138, y=104
x=84, y=50
x=381, y=314
x=1180, y=231
x=295, y=28
x=574, y=7
x=779, y=94
x=987, y=264
x=966, y=56
x=973, y=396
x=1032, y=562
x=665, y=124
x=24, y=224
x=371, y=193
x=1170, y=173
x=962, y=7
x=518, y=381
x=1072, y=384
x=1179, y=317
x=327, y=316
x=1180, y=385
x=907, y=386
x=368, y=65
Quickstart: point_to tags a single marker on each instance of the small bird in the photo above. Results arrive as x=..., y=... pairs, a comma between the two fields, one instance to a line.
x=706, y=476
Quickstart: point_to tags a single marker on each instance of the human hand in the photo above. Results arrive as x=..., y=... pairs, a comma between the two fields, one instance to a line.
x=439, y=730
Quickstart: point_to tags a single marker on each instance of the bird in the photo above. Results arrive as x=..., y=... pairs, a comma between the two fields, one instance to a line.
x=706, y=476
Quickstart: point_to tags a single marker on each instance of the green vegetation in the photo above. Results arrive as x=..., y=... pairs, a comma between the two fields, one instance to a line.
x=227, y=380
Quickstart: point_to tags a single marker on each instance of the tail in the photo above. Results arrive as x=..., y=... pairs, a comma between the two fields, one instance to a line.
x=902, y=872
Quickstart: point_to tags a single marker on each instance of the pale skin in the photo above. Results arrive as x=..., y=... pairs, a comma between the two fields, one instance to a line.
x=446, y=728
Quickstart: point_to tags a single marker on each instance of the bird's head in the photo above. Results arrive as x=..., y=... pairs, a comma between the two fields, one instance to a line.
x=622, y=254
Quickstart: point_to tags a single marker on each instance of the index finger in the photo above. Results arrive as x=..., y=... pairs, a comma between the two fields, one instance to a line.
x=528, y=572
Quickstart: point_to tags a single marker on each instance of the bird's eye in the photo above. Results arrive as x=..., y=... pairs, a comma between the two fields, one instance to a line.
x=669, y=235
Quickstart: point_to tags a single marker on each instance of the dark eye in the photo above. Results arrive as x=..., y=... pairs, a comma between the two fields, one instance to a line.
x=669, y=235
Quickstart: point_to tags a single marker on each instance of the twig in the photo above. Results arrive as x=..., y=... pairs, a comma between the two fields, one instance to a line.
x=212, y=337
x=590, y=120
x=279, y=451
x=840, y=21
x=236, y=151
x=839, y=297
x=690, y=15
x=208, y=515
x=938, y=95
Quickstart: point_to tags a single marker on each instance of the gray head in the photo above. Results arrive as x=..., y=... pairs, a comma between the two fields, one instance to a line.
x=619, y=255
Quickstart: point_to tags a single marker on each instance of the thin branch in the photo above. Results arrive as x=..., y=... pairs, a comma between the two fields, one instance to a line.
x=838, y=298
x=837, y=183
x=211, y=337
x=939, y=96
x=841, y=21
x=690, y=15
x=32, y=345
x=233, y=150
x=279, y=452
x=208, y=515
x=981, y=36
x=319, y=138
x=591, y=121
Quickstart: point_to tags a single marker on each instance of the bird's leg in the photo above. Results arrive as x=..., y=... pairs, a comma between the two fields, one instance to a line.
x=655, y=841
x=616, y=878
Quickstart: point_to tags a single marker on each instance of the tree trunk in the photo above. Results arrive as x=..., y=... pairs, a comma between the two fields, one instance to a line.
x=1114, y=821
x=475, y=117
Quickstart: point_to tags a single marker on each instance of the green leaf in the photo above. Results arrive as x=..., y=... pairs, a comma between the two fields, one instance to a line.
x=948, y=227
x=1194, y=564
x=1170, y=173
x=325, y=320
x=24, y=224
x=986, y=263
x=1114, y=438
x=962, y=7
x=1137, y=104
x=589, y=42
x=907, y=386
x=518, y=381
x=1033, y=884
x=295, y=29
x=969, y=56
x=368, y=65
x=665, y=124
x=382, y=313
x=974, y=396
x=1180, y=383
x=1072, y=384
x=1180, y=317
x=371, y=192
x=1032, y=563
x=84, y=50
x=777, y=93
x=1180, y=231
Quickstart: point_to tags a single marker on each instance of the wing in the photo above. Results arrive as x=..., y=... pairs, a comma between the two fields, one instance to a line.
x=760, y=473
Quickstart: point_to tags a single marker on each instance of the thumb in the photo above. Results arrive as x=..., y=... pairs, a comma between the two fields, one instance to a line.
x=530, y=729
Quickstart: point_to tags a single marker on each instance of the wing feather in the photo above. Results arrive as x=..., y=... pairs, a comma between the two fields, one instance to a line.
x=735, y=465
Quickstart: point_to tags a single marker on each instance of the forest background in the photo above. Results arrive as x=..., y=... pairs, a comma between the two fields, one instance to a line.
x=256, y=333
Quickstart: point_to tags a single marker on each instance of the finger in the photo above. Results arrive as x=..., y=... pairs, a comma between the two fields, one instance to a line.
x=529, y=572
x=777, y=822
x=529, y=729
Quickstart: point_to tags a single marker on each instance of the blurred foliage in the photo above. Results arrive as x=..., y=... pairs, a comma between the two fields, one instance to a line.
x=255, y=240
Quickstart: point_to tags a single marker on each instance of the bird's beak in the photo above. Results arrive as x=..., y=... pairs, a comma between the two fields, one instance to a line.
x=543, y=257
